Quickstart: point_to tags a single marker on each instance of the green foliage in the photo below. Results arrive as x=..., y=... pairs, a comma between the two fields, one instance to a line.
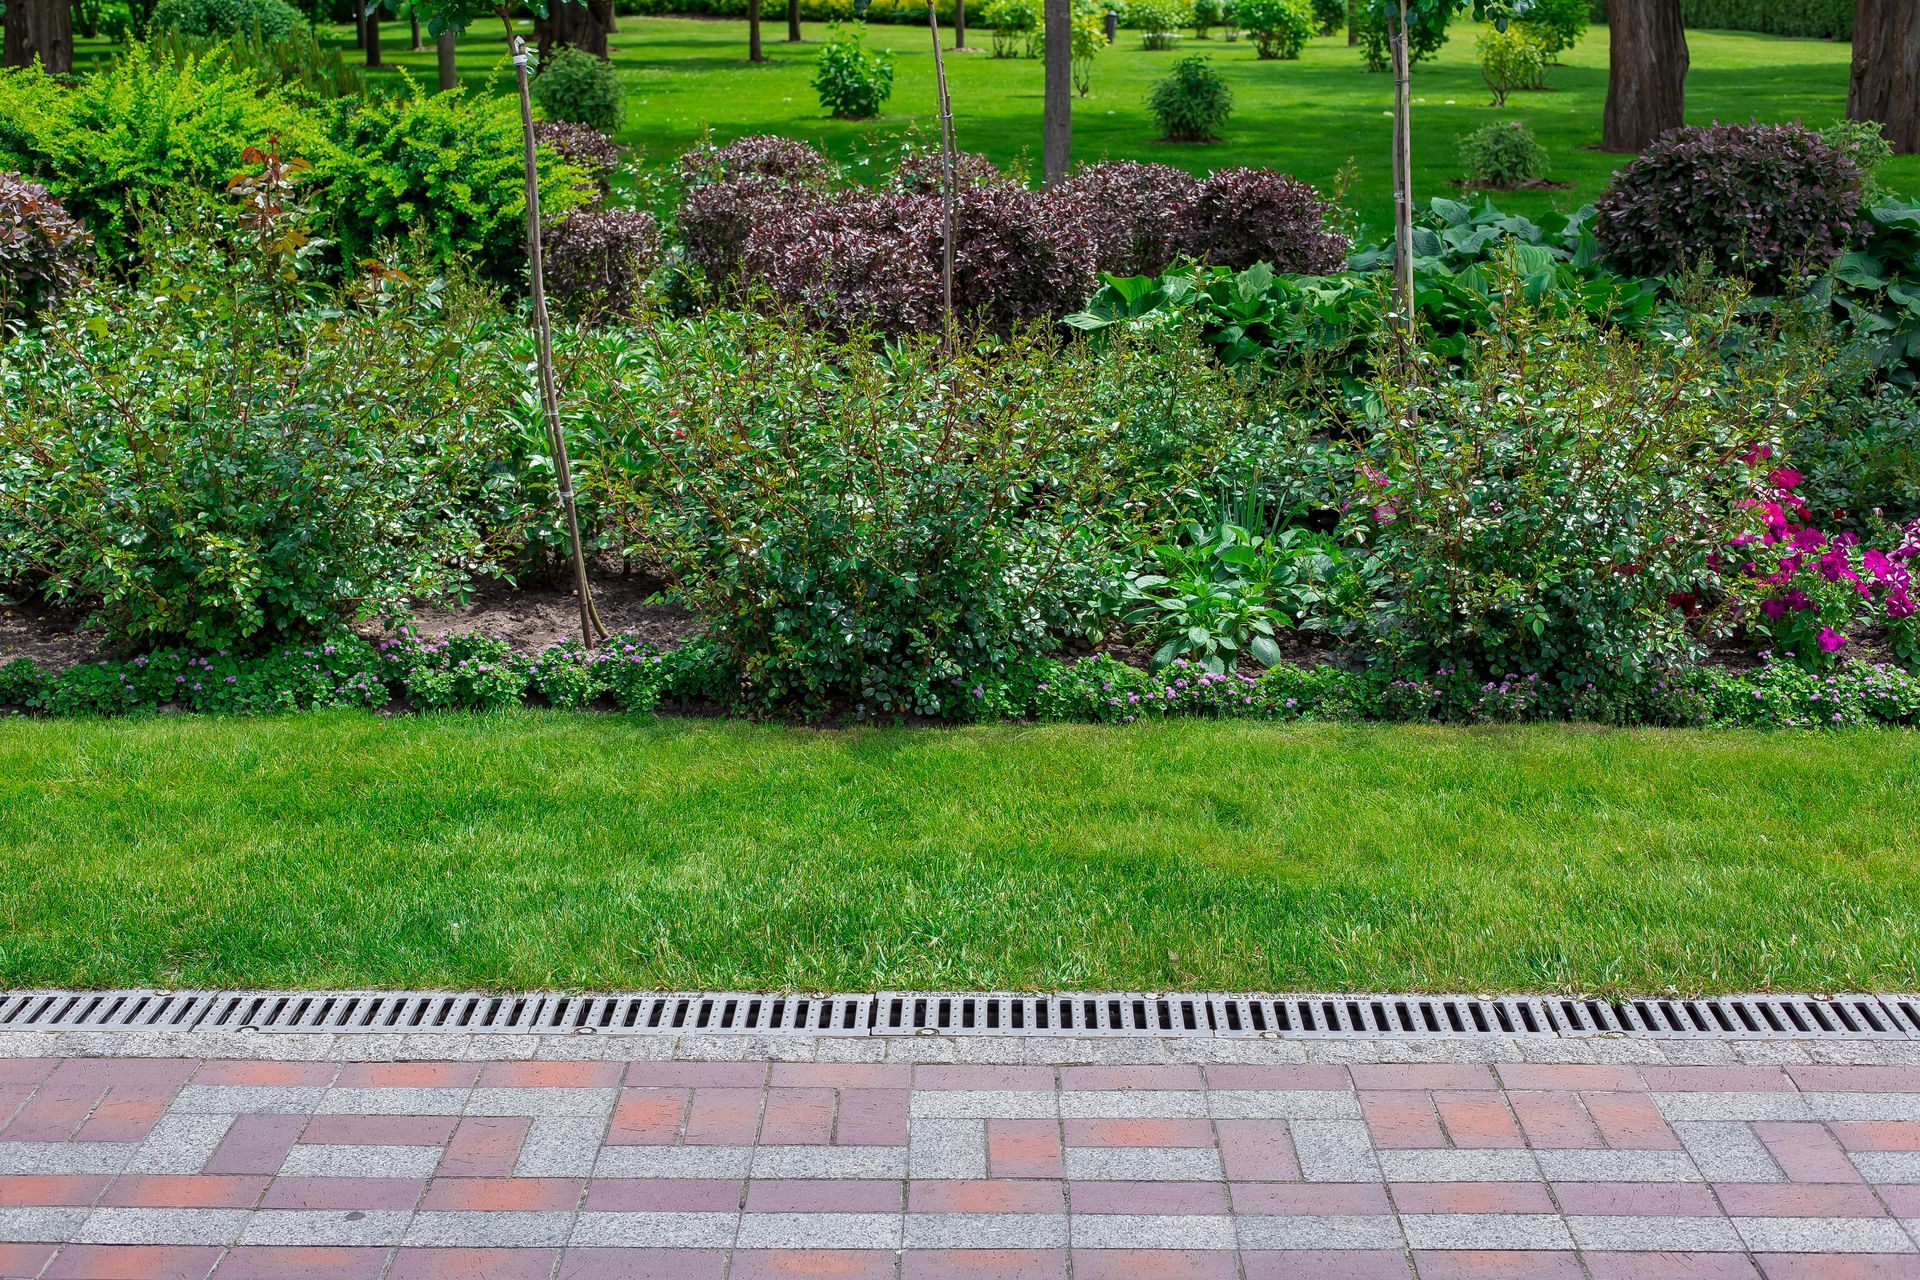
x=443, y=170
x=852, y=80
x=1555, y=25
x=140, y=131
x=1510, y=60
x=1875, y=288
x=1330, y=16
x=1220, y=594
x=1280, y=28
x=1159, y=22
x=300, y=62
x=1815, y=19
x=224, y=455
x=1864, y=142
x=862, y=527
x=1208, y=14
x=578, y=88
x=1424, y=36
x=1859, y=455
x=1502, y=156
x=42, y=249
x=1541, y=514
x=1193, y=102
x=266, y=20
x=1014, y=24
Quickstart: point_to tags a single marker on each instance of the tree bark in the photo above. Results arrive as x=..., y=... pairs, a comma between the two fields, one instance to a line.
x=373, y=37
x=1886, y=70
x=40, y=29
x=1353, y=22
x=448, y=65
x=574, y=25
x=1057, y=112
x=413, y=21
x=753, y=32
x=793, y=21
x=359, y=25
x=959, y=24
x=1647, y=73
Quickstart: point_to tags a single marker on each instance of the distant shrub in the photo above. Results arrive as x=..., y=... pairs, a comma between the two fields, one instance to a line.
x=1554, y=25
x=582, y=146
x=1865, y=143
x=1502, y=155
x=579, y=88
x=1013, y=23
x=758, y=155
x=1330, y=16
x=1159, y=22
x=42, y=248
x=1130, y=213
x=852, y=80
x=1192, y=103
x=1208, y=14
x=598, y=259
x=272, y=20
x=1424, y=39
x=1242, y=216
x=1510, y=60
x=1280, y=28
x=1760, y=201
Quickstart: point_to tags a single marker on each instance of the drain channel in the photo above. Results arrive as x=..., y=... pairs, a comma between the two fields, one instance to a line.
x=960, y=1013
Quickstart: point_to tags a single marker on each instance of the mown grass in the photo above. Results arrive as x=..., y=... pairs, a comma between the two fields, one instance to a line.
x=533, y=850
x=1312, y=117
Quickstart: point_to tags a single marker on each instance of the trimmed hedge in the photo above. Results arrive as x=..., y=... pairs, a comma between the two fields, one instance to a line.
x=1815, y=19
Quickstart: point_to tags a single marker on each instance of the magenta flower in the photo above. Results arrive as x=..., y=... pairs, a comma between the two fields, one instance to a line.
x=1830, y=640
x=1783, y=477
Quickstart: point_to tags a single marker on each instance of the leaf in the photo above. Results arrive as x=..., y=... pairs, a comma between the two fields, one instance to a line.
x=1265, y=651
x=1862, y=270
x=1167, y=652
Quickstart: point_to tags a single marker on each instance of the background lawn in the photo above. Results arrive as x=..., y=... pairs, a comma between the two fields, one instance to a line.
x=1311, y=118
x=552, y=850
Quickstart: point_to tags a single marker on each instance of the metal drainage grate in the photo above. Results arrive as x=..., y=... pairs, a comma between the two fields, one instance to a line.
x=957, y=1013
x=717, y=1013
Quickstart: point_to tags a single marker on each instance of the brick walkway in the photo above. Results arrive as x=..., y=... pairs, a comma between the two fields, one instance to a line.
x=156, y=1168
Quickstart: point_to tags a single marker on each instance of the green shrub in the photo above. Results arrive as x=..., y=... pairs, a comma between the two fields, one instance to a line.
x=1555, y=25
x=1013, y=23
x=222, y=455
x=268, y=20
x=1543, y=513
x=1510, y=60
x=1814, y=19
x=1424, y=38
x=141, y=131
x=1864, y=142
x=1502, y=156
x=1330, y=16
x=864, y=527
x=300, y=62
x=1280, y=28
x=578, y=88
x=853, y=81
x=1208, y=14
x=443, y=170
x=1192, y=103
x=1159, y=22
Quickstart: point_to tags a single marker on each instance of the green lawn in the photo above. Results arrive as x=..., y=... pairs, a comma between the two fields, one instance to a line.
x=1310, y=117
x=554, y=850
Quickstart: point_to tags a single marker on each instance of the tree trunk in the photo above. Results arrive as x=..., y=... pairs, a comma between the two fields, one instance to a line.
x=448, y=65
x=373, y=37
x=753, y=32
x=959, y=24
x=359, y=25
x=793, y=21
x=1886, y=70
x=1402, y=179
x=574, y=25
x=1647, y=72
x=40, y=29
x=1353, y=22
x=413, y=21
x=1057, y=113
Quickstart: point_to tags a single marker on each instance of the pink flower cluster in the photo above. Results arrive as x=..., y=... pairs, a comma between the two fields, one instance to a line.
x=1797, y=564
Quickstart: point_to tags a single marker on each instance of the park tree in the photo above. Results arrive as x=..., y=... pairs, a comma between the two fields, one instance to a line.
x=446, y=60
x=373, y=36
x=583, y=26
x=1056, y=117
x=39, y=30
x=754, y=53
x=793, y=21
x=1886, y=70
x=1646, y=72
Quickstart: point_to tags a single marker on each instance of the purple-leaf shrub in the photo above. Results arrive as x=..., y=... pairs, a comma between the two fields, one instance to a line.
x=921, y=172
x=851, y=259
x=1129, y=211
x=42, y=247
x=1241, y=216
x=1014, y=257
x=1762, y=201
x=598, y=259
x=760, y=155
x=582, y=146
x=731, y=190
